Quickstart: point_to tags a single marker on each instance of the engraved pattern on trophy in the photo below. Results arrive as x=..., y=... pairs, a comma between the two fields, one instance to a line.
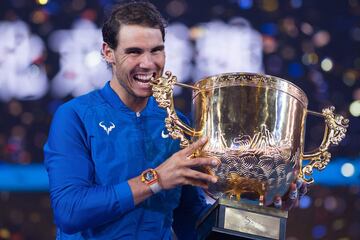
x=252, y=165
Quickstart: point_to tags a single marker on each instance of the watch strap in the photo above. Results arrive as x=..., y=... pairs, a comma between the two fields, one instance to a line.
x=155, y=187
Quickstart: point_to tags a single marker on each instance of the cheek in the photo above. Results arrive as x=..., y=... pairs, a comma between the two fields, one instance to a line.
x=160, y=61
x=126, y=65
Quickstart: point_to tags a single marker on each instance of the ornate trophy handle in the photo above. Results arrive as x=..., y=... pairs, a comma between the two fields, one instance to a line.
x=162, y=88
x=335, y=129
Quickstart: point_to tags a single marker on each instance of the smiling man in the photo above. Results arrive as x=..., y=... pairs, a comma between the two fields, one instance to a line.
x=138, y=57
x=112, y=173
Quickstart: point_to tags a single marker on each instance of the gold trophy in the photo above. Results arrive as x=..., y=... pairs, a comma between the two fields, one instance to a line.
x=255, y=126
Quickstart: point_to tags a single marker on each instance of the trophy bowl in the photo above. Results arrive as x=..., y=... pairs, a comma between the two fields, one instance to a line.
x=255, y=126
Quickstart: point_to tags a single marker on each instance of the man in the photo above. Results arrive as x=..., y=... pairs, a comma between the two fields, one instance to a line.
x=113, y=173
x=100, y=144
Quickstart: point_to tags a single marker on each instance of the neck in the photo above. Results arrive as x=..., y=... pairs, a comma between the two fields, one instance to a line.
x=137, y=104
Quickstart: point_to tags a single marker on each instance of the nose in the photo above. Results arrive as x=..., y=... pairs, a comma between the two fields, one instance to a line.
x=146, y=61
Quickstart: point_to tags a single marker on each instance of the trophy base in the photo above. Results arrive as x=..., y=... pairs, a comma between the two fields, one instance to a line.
x=229, y=219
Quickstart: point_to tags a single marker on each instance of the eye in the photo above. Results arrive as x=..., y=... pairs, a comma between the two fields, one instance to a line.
x=157, y=50
x=134, y=51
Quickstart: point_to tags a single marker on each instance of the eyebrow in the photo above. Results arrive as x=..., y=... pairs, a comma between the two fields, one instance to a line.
x=137, y=49
x=157, y=48
x=133, y=49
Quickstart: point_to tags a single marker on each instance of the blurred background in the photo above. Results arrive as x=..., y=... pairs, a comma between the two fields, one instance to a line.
x=50, y=53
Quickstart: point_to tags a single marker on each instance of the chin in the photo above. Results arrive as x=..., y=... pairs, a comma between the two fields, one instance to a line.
x=143, y=94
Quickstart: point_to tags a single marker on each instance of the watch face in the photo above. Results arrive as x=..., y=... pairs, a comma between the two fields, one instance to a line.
x=149, y=176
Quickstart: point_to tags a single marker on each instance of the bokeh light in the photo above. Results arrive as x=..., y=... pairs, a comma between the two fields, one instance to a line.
x=319, y=231
x=354, y=108
x=305, y=202
x=321, y=38
x=42, y=2
x=51, y=49
x=327, y=64
x=347, y=169
x=245, y=4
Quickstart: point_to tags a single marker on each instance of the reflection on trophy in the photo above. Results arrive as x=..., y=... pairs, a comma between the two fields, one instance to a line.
x=256, y=126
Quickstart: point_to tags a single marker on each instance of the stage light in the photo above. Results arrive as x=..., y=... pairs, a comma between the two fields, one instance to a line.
x=305, y=202
x=347, y=170
x=245, y=4
x=270, y=5
x=321, y=38
x=4, y=233
x=330, y=203
x=42, y=2
x=350, y=77
x=338, y=224
x=269, y=28
x=356, y=94
x=307, y=29
x=319, y=231
x=310, y=58
x=327, y=64
x=295, y=70
x=354, y=108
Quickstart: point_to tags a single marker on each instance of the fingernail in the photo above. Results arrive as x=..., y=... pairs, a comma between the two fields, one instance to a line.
x=214, y=179
x=278, y=202
x=203, y=139
x=293, y=194
x=214, y=162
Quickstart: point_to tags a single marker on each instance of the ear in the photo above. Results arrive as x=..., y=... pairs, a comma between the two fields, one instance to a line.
x=108, y=53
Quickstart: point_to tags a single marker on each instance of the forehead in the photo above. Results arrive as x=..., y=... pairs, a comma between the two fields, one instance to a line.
x=139, y=36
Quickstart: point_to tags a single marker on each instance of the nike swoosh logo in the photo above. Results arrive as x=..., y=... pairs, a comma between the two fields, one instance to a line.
x=163, y=135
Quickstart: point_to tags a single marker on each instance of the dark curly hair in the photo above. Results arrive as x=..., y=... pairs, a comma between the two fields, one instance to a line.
x=131, y=13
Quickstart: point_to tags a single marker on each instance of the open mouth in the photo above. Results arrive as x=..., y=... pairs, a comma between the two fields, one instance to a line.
x=143, y=77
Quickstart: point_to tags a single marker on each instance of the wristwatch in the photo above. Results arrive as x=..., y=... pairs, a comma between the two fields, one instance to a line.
x=150, y=177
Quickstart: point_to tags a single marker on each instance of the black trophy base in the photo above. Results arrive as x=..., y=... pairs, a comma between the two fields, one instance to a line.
x=229, y=219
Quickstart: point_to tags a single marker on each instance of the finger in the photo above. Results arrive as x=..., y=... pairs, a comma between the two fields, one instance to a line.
x=278, y=202
x=291, y=199
x=193, y=147
x=293, y=194
x=197, y=183
x=202, y=161
x=302, y=187
x=299, y=182
x=196, y=175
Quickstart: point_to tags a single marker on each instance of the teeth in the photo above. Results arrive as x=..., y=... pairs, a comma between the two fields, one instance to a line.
x=143, y=77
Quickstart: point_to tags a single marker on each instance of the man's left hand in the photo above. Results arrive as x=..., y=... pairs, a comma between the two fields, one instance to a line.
x=296, y=191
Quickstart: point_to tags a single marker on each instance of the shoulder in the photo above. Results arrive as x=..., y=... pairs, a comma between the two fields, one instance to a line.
x=80, y=106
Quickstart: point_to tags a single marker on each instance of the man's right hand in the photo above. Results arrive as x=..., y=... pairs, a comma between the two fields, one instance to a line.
x=180, y=170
